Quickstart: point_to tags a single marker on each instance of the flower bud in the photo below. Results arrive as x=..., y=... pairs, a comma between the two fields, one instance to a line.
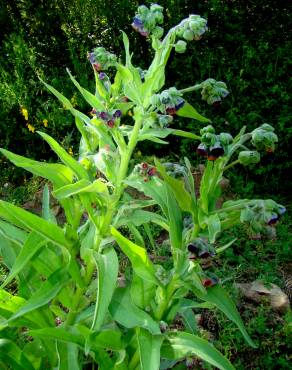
x=206, y=129
x=188, y=35
x=248, y=157
x=225, y=138
x=158, y=32
x=180, y=46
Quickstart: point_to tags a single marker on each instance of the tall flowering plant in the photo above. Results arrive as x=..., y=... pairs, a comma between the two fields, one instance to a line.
x=74, y=303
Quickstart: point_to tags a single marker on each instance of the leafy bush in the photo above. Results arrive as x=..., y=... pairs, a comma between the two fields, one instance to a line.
x=124, y=318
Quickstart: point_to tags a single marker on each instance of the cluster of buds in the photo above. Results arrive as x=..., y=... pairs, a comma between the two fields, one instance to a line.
x=174, y=169
x=200, y=248
x=145, y=170
x=213, y=146
x=101, y=59
x=264, y=138
x=260, y=214
x=146, y=21
x=109, y=118
x=192, y=28
x=169, y=101
x=213, y=91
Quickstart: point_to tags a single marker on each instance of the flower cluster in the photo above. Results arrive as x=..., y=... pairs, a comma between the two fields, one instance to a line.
x=264, y=138
x=259, y=214
x=109, y=117
x=200, y=248
x=145, y=170
x=247, y=157
x=146, y=21
x=192, y=28
x=101, y=59
x=213, y=91
x=168, y=101
x=213, y=146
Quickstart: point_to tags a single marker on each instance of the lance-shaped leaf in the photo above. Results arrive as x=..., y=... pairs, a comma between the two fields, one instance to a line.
x=29, y=221
x=45, y=294
x=47, y=214
x=80, y=187
x=108, y=267
x=140, y=261
x=218, y=296
x=91, y=99
x=58, y=174
x=175, y=220
x=214, y=227
x=126, y=313
x=149, y=349
x=65, y=157
x=32, y=245
x=181, y=344
x=189, y=111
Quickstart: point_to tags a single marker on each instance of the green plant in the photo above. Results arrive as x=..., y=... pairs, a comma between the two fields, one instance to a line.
x=63, y=309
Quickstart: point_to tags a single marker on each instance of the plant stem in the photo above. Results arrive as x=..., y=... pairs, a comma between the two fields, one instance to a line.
x=162, y=307
x=134, y=360
x=231, y=164
x=190, y=89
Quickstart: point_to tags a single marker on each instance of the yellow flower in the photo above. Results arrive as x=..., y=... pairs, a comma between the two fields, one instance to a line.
x=30, y=127
x=70, y=151
x=45, y=122
x=24, y=113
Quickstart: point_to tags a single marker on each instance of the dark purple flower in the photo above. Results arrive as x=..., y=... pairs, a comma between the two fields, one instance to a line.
x=144, y=165
x=171, y=111
x=180, y=104
x=118, y=113
x=273, y=220
x=104, y=116
x=97, y=66
x=193, y=248
x=91, y=57
x=216, y=151
x=102, y=76
x=151, y=171
x=202, y=150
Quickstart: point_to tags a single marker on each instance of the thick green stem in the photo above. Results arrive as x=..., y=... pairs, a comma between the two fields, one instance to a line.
x=231, y=165
x=162, y=307
x=190, y=89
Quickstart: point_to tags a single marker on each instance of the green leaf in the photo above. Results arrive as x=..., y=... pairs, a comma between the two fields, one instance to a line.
x=45, y=294
x=142, y=291
x=190, y=112
x=139, y=217
x=218, y=296
x=68, y=358
x=140, y=261
x=31, y=246
x=214, y=227
x=189, y=320
x=79, y=187
x=14, y=356
x=108, y=267
x=126, y=313
x=175, y=220
x=47, y=214
x=181, y=345
x=91, y=99
x=65, y=157
x=29, y=221
x=58, y=174
x=149, y=349
x=183, y=198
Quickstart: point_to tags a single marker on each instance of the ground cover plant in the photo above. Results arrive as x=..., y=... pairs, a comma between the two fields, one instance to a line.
x=83, y=306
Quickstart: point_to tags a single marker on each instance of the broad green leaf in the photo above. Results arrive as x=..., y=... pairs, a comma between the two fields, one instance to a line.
x=214, y=227
x=45, y=294
x=91, y=99
x=142, y=291
x=181, y=345
x=7, y=251
x=183, y=198
x=140, y=261
x=58, y=174
x=81, y=186
x=68, y=358
x=218, y=296
x=29, y=221
x=108, y=267
x=189, y=320
x=31, y=246
x=12, y=233
x=149, y=349
x=14, y=356
x=190, y=112
x=138, y=217
x=65, y=157
x=126, y=313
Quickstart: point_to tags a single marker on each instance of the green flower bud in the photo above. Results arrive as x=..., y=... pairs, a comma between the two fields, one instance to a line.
x=248, y=157
x=158, y=32
x=188, y=35
x=225, y=138
x=267, y=127
x=206, y=129
x=180, y=46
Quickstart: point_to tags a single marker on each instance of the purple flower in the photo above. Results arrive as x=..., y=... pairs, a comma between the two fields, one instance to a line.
x=104, y=116
x=171, y=111
x=180, y=104
x=202, y=150
x=118, y=113
x=273, y=220
x=193, y=248
x=111, y=123
x=91, y=57
x=102, y=76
